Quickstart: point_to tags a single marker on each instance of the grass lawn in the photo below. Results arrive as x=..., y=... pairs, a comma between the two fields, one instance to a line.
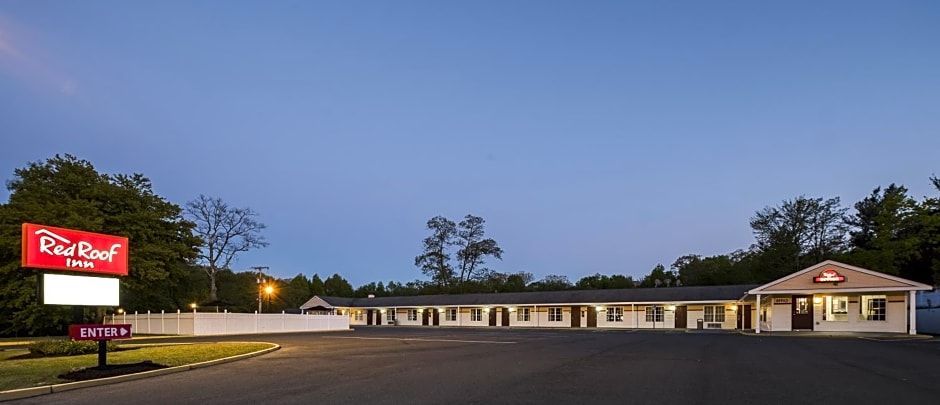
x=18, y=370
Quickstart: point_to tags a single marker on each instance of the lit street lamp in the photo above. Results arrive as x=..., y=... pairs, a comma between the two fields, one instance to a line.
x=267, y=290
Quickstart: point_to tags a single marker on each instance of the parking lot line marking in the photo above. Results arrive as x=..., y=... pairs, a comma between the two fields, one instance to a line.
x=419, y=340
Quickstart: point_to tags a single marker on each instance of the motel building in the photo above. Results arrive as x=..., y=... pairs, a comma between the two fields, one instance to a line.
x=829, y=296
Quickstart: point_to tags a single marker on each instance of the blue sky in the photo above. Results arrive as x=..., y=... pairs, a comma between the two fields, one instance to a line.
x=592, y=136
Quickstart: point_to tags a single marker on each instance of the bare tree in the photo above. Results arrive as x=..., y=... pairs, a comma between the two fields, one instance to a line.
x=473, y=247
x=434, y=261
x=225, y=232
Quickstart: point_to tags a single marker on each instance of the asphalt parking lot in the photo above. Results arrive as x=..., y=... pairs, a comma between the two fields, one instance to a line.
x=397, y=365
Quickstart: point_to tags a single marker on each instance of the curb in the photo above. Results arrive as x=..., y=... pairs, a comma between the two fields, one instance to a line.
x=828, y=335
x=49, y=389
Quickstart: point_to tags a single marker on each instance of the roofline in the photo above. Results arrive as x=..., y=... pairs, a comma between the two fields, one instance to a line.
x=557, y=304
x=846, y=290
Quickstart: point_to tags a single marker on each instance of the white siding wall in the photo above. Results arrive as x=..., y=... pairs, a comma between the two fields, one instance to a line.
x=443, y=318
x=765, y=307
x=627, y=321
x=782, y=320
x=403, y=317
x=697, y=311
x=541, y=317
x=895, y=316
x=352, y=316
x=514, y=318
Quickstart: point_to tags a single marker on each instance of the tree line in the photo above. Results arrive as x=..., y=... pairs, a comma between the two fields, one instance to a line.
x=183, y=254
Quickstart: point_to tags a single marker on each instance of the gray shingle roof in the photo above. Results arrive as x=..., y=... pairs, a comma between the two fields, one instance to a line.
x=630, y=295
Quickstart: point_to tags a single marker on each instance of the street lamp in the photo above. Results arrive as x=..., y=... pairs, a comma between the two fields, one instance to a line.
x=267, y=290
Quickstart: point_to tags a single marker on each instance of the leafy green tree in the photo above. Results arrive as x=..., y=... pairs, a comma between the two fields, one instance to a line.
x=799, y=232
x=295, y=292
x=928, y=234
x=434, y=261
x=885, y=235
x=68, y=192
x=225, y=232
x=239, y=291
x=316, y=286
x=337, y=286
x=712, y=270
x=659, y=277
x=551, y=283
x=517, y=282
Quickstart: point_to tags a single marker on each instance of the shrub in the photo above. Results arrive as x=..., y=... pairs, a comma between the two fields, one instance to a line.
x=59, y=347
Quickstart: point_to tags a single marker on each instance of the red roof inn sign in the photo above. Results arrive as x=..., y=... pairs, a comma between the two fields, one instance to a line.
x=47, y=247
x=829, y=276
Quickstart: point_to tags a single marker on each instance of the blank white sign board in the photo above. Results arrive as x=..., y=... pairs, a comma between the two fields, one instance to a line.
x=58, y=289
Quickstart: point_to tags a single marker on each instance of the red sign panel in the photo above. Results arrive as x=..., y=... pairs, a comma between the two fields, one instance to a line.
x=47, y=247
x=100, y=332
x=829, y=276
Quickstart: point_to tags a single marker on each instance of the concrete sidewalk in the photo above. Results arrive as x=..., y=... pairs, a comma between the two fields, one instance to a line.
x=859, y=335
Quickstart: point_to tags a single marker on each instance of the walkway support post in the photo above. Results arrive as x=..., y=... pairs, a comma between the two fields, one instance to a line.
x=913, y=312
x=757, y=328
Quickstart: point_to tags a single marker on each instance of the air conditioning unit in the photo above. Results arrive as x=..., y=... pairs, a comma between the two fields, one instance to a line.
x=713, y=326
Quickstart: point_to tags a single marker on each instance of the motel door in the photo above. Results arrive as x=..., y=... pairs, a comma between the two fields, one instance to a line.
x=492, y=316
x=592, y=317
x=802, y=312
x=575, y=316
x=425, y=316
x=435, y=317
x=368, y=317
x=505, y=313
x=681, y=317
x=744, y=317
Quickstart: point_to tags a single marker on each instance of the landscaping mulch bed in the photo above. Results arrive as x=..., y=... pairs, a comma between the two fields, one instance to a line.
x=111, y=370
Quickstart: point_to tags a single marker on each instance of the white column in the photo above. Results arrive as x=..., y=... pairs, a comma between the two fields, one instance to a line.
x=757, y=328
x=913, y=309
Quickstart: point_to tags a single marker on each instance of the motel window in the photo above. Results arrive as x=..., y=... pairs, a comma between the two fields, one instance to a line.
x=358, y=315
x=523, y=315
x=391, y=314
x=614, y=314
x=554, y=315
x=837, y=309
x=654, y=314
x=714, y=313
x=476, y=314
x=412, y=314
x=874, y=307
x=451, y=314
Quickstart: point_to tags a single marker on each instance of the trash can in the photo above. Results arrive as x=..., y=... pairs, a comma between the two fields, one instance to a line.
x=700, y=323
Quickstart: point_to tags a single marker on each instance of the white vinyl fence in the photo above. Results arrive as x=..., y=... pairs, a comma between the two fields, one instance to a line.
x=227, y=323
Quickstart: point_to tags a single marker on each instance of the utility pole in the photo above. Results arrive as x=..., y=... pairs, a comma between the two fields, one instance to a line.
x=260, y=279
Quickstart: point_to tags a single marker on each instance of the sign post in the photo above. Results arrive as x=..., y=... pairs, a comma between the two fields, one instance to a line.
x=103, y=334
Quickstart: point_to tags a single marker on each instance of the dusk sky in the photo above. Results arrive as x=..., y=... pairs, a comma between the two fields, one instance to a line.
x=593, y=137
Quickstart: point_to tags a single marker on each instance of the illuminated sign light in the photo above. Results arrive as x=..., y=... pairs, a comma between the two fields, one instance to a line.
x=829, y=276
x=47, y=247
x=58, y=289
